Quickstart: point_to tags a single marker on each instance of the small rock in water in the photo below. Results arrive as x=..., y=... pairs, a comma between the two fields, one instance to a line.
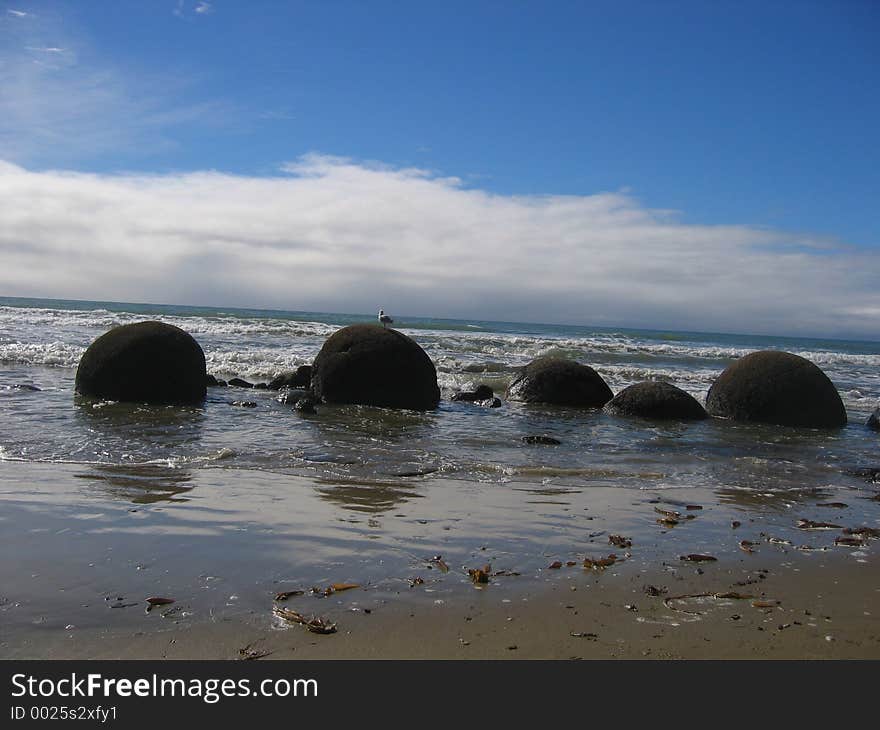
x=874, y=420
x=244, y=403
x=299, y=378
x=481, y=393
x=239, y=383
x=305, y=405
x=293, y=396
x=542, y=440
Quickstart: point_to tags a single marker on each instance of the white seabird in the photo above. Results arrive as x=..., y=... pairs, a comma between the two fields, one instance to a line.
x=384, y=318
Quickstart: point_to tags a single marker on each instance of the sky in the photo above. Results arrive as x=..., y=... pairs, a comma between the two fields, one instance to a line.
x=679, y=165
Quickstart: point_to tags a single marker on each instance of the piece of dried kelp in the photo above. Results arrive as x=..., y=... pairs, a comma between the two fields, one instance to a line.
x=315, y=624
x=284, y=595
x=600, y=563
x=480, y=575
x=154, y=601
x=813, y=525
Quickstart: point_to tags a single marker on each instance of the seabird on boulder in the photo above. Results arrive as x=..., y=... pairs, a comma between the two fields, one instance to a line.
x=384, y=318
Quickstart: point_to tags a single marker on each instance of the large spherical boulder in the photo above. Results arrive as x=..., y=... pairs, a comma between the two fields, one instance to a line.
x=376, y=366
x=779, y=388
x=147, y=362
x=558, y=381
x=657, y=400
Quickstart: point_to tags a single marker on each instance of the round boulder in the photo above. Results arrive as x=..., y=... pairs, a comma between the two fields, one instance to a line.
x=376, y=366
x=146, y=362
x=657, y=400
x=778, y=388
x=557, y=381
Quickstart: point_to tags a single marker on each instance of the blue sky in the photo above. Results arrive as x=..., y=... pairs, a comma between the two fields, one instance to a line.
x=761, y=115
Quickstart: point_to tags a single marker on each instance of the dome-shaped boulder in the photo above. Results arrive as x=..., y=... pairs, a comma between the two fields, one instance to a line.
x=778, y=388
x=146, y=362
x=558, y=381
x=656, y=400
x=377, y=366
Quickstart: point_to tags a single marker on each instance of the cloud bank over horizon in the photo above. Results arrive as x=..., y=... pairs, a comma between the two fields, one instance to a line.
x=332, y=234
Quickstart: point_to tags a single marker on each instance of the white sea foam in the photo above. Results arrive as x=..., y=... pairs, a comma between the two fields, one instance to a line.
x=53, y=354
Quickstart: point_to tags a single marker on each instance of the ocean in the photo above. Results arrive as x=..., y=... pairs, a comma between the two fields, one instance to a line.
x=41, y=342
x=218, y=505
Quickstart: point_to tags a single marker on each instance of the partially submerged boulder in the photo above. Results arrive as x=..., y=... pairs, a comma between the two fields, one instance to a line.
x=874, y=420
x=778, y=388
x=558, y=381
x=657, y=400
x=146, y=362
x=371, y=365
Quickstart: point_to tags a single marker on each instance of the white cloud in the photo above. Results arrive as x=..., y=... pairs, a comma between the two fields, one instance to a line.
x=337, y=235
x=17, y=13
x=204, y=8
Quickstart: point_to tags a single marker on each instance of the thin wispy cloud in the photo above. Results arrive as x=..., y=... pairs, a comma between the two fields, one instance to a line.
x=184, y=10
x=17, y=13
x=337, y=235
x=60, y=101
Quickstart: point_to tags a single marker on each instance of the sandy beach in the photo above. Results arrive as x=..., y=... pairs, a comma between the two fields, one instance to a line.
x=85, y=562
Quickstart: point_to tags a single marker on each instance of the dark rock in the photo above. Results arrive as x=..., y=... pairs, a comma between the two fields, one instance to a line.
x=25, y=386
x=292, y=397
x=869, y=474
x=542, y=440
x=299, y=378
x=305, y=405
x=213, y=382
x=489, y=403
x=244, y=403
x=557, y=381
x=239, y=383
x=778, y=388
x=656, y=400
x=261, y=386
x=482, y=392
x=874, y=420
x=146, y=362
x=371, y=365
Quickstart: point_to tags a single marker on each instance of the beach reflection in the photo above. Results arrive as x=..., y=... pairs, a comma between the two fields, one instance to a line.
x=777, y=500
x=140, y=484
x=370, y=497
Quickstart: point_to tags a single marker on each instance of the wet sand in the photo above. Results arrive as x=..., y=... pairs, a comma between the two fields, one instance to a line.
x=83, y=547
